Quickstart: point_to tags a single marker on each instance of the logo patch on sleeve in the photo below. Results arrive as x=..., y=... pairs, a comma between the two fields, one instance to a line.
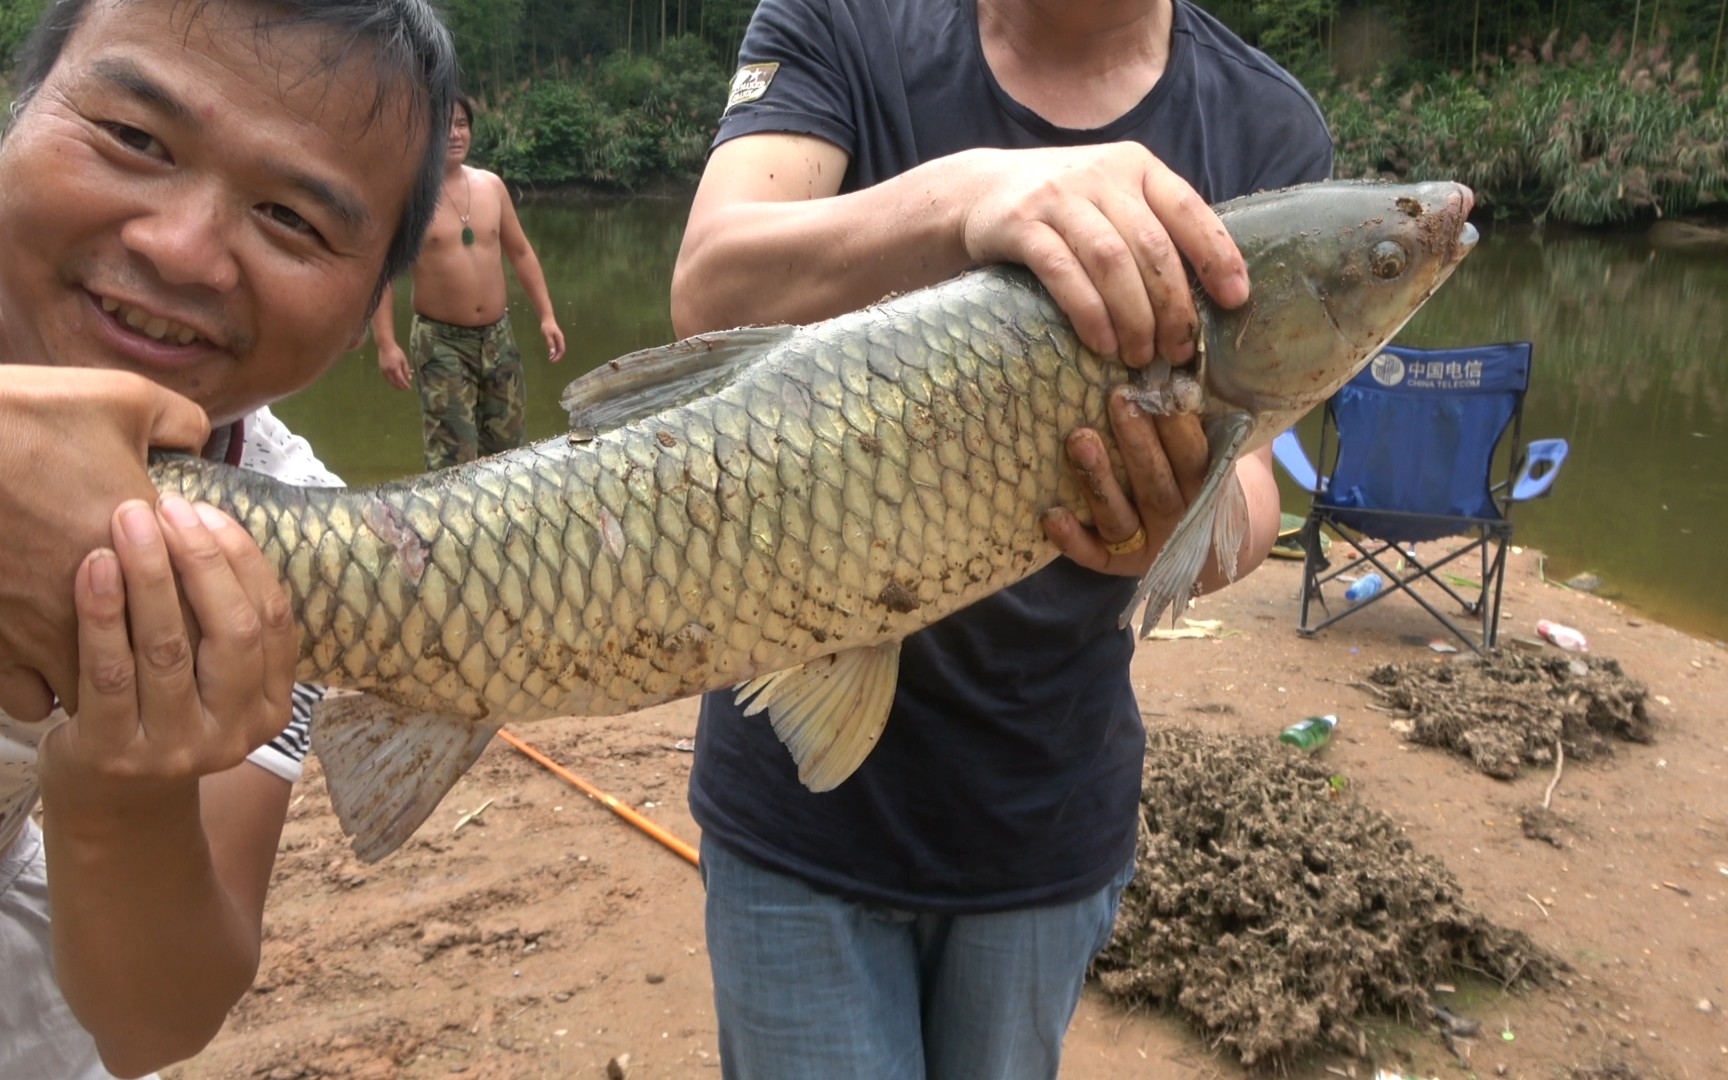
x=750, y=83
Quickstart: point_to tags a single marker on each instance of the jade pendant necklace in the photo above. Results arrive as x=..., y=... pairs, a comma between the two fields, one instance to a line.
x=467, y=231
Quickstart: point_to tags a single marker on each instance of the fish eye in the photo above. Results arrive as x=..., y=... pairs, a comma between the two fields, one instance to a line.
x=1388, y=259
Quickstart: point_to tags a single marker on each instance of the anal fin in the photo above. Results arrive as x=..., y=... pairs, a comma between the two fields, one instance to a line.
x=829, y=712
x=389, y=767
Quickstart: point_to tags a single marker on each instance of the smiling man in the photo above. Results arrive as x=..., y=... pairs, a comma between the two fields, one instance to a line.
x=200, y=204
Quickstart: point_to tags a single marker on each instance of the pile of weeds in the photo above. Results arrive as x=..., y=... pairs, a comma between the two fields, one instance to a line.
x=1276, y=913
x=1512, y=709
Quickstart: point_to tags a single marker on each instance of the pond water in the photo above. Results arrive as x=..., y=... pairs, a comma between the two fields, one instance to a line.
x=1630, y=366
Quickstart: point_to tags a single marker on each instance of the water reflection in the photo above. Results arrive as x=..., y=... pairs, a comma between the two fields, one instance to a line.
x=1629, y=366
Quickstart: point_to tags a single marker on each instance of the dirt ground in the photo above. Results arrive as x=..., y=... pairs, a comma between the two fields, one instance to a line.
x=545, y=937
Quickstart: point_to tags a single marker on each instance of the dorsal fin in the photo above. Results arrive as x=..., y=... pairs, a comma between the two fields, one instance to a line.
x=647, y=381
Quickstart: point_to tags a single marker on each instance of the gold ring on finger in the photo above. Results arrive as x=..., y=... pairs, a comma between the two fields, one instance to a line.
x=1132, y=544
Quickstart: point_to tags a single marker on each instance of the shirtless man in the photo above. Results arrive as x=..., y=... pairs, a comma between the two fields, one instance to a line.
x=464, y=355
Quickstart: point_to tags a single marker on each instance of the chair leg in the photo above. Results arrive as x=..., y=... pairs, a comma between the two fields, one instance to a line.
x=1406, y=584
x=1491, y=616
x=1314, y=580
x=1372, y=552
x=1482, y=597
x=1489, y=602
x=1431, y=572
x=1311, y=567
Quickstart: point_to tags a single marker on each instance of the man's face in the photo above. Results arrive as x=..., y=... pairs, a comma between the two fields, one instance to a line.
x=194, y=201
x=461, y=135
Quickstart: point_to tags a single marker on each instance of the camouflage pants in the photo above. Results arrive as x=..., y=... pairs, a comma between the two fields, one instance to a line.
x=472, y=399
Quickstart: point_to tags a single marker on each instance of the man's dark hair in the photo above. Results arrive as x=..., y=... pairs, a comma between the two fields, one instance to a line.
x=466, y=104
x=411, y=50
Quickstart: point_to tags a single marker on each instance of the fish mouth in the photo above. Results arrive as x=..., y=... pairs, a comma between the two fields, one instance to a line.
x=1459, y=204
x=1463, y=243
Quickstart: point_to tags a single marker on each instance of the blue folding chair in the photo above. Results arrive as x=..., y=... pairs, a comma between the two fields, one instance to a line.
x=1411, y=443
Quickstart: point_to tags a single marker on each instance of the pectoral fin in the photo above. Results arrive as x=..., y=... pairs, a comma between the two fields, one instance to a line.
x=1229, y=526
x=1217, y=516
x=389, y=767
x=651, y=380
x=829, y=712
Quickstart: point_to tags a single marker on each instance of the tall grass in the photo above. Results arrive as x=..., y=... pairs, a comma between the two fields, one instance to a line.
x=1592, y=136
x=618, y=124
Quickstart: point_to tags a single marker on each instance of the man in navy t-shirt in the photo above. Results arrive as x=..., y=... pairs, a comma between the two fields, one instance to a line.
x=934, y=915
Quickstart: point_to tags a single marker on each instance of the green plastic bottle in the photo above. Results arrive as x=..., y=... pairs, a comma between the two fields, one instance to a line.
x=1310, y=734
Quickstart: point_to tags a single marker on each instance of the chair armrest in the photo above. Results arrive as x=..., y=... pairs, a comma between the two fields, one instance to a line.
x=1287, y=448
x=1542, y=461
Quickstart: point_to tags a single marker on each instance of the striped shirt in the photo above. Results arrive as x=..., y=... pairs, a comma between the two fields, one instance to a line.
x=269, y=447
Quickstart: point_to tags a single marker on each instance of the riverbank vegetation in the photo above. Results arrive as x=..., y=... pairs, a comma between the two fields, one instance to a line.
x=1591, y=135
x=622, y=122
x=1589, y=112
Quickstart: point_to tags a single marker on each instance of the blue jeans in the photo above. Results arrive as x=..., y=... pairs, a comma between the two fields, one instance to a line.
x=807, y=985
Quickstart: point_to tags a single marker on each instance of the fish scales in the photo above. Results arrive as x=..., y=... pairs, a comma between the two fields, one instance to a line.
x=807, y=499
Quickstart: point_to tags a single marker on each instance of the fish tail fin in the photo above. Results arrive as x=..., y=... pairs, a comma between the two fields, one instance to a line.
x=389, y=767
x=829, y=712
x=1172, y=576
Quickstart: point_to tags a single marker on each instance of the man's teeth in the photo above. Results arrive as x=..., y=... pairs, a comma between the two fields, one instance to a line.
x=150, y=325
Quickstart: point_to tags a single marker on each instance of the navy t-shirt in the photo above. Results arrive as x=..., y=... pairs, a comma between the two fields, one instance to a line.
x=1009, y=772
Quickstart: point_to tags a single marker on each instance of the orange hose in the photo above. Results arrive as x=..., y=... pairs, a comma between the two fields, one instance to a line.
x=612, y=804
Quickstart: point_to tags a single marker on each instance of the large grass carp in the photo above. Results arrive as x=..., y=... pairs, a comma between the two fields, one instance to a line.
x=779, y=507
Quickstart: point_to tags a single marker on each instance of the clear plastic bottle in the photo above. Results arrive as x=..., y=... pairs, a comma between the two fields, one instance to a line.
x=1310, y=734
x=1364, y=587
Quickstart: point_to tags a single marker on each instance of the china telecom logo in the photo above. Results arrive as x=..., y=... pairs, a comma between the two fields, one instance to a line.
x=1387, y=369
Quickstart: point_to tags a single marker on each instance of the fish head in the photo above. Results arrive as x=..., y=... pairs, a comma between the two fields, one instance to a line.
x=1335, y=269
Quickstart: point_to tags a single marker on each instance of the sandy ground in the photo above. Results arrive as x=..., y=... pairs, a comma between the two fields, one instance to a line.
x=545, y=937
